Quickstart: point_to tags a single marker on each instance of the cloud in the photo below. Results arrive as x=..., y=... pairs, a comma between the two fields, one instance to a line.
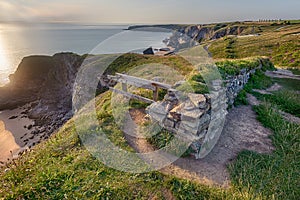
x=145, y=11
x=39, y=11
x=10, y=10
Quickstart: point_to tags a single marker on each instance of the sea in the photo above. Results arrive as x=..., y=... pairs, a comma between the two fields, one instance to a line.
x=18, y=40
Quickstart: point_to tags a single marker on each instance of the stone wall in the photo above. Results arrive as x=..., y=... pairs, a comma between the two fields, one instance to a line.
x=199, y=118
x=235, y=84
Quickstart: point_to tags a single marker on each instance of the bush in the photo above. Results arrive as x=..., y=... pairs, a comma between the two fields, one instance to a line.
x=241, y=99
x=233, y=67
x=258, y=81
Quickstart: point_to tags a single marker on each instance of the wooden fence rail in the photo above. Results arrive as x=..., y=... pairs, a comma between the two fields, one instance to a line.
x=126, y=80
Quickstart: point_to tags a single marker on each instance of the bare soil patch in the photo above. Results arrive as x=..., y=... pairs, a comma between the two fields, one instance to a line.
x=289, y=117
x=282, y=74
x=241, y=132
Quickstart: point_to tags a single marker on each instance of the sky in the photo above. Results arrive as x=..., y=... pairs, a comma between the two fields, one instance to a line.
x=147, y=11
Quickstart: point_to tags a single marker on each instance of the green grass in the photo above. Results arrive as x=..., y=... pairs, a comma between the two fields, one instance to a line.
x=289, y=84
x=161, y=139
x=257, y=81
x=286, y=100
x=294, y=21
x=62, y=168
x=276, y=176
x=281, y=46
x=241, y=98
x=230, y=48
x=164, y=138
x=126, y=62
x=234, y=66
x=295, y=71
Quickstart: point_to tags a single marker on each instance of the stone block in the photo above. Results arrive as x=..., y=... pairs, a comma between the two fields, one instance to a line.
x=187, y=136
x=189, y=106
x=216, y=82
x=157, y=117
x=202, y=133
x=187, y=115
x=169, y=123
x=187, y=128
x=203, y=105
x=196, y=99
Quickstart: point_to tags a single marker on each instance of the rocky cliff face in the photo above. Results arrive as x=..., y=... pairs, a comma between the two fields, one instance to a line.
x=198, y=33
x=45, y=84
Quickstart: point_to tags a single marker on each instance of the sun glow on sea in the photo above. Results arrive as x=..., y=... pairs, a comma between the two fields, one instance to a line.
x=3, y=58
x=4, y=63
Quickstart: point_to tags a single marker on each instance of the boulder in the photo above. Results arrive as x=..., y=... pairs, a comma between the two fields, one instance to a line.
x=148, y=51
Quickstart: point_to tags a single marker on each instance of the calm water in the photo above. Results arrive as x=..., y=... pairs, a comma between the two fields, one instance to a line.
x=18, y=41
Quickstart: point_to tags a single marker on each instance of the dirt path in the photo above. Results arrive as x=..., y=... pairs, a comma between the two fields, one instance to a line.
x=273, y=88
x=287, y=116
x=254, y=102
x=282, y=74
x=242, y=131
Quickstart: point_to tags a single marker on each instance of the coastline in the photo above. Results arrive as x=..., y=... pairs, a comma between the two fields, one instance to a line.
x=24, y=127
x=14, y=137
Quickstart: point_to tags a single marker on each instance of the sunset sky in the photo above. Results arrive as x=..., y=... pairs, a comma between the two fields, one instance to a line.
x=146, y=11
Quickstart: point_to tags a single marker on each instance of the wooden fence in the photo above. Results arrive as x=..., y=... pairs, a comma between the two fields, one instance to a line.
x=126, y=80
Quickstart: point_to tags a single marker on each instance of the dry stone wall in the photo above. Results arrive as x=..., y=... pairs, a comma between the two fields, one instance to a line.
x=199, y=118
x=235, y=84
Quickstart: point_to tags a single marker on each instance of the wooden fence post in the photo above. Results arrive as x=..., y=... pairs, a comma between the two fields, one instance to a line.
x=155, y=94
x=124, y=87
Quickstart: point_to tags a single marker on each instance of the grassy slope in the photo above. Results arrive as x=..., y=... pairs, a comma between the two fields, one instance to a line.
x=61, y=168
x=275, y=175
x=280, y=43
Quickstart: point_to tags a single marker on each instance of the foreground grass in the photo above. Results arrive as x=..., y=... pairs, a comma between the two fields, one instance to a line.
x=276, y=176
x=289, y=84
x=286, y=100
x=61, y=168
x=257, y=81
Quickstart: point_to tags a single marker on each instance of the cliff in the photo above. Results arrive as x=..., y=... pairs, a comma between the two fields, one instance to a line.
x=44, y=84
x=200, y=33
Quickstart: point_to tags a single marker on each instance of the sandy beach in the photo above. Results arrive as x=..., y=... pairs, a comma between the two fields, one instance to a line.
x=14, y=134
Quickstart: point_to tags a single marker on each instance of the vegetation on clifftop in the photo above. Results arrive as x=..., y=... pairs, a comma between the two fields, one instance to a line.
x=281, y=43
x=61, y=167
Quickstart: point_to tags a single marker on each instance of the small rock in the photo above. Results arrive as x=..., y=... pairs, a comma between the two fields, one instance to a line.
x=13, y=117
x=43, y=129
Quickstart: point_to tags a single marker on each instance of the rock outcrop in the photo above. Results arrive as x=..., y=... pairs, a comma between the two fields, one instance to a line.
x=45, y=85
x=191, y=35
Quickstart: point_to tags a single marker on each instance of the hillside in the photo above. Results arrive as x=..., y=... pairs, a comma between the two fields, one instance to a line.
x=61, y=168
x=281, y=43
x=279, y=40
